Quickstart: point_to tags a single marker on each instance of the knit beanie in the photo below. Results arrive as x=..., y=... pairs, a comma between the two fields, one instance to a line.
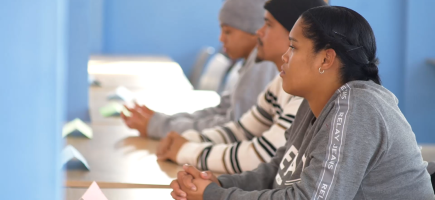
x=287, y=12
x=245, y=15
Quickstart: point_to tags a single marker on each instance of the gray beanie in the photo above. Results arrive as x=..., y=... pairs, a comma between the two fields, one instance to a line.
x=245, y=15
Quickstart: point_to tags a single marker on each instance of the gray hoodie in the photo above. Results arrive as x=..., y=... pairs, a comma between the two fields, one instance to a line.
x=360, y=147
x=253, y=78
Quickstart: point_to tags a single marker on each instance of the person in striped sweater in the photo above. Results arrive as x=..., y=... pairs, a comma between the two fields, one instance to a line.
x=243, y=144
x=239, y=20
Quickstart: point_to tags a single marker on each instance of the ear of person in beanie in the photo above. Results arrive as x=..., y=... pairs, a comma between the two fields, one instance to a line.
x=245, y=15
x=287, y=12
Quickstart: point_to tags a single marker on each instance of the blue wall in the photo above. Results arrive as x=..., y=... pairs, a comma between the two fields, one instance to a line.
x=168, y=27
x=387, y=20
x=79, y=48
x=96, y=22
x=32, y=85
x=419, y=77
x=405, y=35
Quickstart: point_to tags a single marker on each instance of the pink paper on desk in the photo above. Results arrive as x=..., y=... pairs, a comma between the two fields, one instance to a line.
x=94, y=193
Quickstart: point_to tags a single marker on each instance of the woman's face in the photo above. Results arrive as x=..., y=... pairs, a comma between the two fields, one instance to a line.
x=300, y=71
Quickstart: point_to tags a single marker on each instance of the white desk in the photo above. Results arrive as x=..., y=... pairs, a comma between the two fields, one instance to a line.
x=122, y=194
x=428, y=152
x=156, y=81
x=165, y=102
x=117, y=155
x=151, y=73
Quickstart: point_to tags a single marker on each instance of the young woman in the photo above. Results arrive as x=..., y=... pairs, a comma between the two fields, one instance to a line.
x=349, y=140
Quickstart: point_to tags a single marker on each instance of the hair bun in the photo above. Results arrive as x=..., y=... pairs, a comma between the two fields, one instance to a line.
x=371, y=69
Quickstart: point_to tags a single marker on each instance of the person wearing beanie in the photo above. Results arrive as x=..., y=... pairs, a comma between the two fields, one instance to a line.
x=349, y=139
x=239, y=20
x=241, y=145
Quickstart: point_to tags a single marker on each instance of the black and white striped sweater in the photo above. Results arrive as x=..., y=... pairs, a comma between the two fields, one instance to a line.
x=242, y=145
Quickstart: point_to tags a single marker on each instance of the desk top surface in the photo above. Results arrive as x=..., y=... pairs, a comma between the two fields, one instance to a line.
x=116, y=154
x=165, y=102
x=122, y=194
x=143, y=72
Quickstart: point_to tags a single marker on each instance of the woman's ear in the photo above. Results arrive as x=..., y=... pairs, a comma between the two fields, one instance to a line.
x=329, y=56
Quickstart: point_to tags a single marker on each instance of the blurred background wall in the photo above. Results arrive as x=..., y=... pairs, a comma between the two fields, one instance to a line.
x=404, y=31
x=405, y=36
x=178, y=29
x=33, y=64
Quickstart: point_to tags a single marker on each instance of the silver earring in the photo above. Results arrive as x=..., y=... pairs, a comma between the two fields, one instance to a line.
x=321, y=72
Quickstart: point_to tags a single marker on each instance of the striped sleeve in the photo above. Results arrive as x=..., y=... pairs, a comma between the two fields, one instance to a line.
x=253, y=123
x=257, y=142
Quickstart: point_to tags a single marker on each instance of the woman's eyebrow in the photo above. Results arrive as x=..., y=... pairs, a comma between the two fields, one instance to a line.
x=292, y=39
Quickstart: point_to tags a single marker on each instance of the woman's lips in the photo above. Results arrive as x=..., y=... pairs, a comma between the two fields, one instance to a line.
x=282, y=73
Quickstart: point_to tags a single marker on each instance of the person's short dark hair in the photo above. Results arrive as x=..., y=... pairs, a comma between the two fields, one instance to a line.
x=349, y=34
